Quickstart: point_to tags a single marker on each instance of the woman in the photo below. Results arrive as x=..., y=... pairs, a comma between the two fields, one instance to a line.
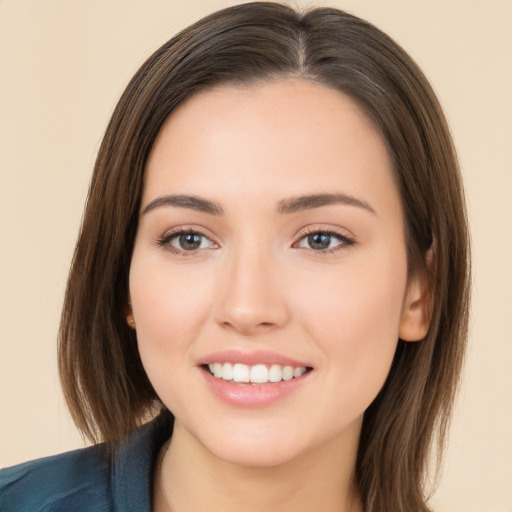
x=273, y=264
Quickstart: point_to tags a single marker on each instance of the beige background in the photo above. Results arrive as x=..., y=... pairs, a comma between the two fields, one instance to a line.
x=64, y=63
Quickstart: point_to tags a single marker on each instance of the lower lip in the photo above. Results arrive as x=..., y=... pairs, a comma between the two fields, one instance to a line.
x=252, y=395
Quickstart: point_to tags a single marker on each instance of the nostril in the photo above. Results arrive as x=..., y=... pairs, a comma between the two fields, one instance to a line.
x=248, y=325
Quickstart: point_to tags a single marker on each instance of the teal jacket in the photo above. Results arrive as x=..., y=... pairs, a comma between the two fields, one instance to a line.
x=91, y=479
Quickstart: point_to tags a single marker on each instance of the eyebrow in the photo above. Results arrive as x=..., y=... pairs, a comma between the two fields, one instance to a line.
x=309, y=202
x=285, y=206
x=185, y=201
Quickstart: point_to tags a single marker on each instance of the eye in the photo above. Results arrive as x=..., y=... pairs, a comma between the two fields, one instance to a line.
x=324, y=241
x=185, y=241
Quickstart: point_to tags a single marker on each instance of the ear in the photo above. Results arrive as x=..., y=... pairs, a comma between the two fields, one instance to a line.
x=417, y=309
x=129, y=314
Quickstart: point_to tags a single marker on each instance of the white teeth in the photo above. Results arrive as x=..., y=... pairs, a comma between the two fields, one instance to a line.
x=240, y=372
x=275, y=374
x=288, y=373
x=227, y=371
x=297, y=372
x=257, y=374
x=217, y=370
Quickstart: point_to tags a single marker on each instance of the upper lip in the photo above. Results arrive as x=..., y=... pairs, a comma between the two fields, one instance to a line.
x=251, y=358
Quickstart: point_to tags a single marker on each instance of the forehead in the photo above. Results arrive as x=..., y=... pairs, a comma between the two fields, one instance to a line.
x=269, y=139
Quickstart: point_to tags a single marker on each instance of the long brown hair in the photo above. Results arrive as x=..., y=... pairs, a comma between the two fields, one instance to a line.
x=105, y=385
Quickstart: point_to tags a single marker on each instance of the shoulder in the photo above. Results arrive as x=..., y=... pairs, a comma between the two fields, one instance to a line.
x=92, y=479
x=76, y=480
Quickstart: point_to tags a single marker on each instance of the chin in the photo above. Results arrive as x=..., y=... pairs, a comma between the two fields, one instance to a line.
x=265, y=454
x=275, y=442
x=254, y=445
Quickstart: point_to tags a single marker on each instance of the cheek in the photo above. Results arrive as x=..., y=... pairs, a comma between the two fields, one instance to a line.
x=354, y=318
x=170, y=309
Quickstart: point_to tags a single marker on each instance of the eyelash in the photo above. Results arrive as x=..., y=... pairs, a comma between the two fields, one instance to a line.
x=165, y=241
x=344, y=240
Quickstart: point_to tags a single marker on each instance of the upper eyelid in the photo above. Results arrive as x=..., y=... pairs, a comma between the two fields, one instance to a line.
x=340, y=232
x=188, y=229
x=301, y=233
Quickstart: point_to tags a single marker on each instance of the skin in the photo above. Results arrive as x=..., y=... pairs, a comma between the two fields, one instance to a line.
x=256, y=283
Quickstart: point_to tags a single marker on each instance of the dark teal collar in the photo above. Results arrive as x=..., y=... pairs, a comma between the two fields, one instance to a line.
x=134, y=464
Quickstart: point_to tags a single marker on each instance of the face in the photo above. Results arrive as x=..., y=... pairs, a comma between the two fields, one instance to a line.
x=270, y=252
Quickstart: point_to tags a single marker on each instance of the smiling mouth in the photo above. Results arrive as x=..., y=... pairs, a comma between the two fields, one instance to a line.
x=255, y=374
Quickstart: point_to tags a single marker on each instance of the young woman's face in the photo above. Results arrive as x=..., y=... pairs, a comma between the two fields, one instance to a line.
x=271, y=236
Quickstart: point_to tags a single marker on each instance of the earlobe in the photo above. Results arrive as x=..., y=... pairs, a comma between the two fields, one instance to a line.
x=130, y=321
x=129, y=315
x=416, y=312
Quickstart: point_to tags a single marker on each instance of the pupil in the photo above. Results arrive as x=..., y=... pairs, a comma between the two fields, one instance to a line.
x=319, y=241
x=190, y=241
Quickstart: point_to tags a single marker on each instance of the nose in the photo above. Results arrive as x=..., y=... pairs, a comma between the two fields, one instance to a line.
x=252, y=298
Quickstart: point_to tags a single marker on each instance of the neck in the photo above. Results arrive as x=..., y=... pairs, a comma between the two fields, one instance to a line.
x=190, y=478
